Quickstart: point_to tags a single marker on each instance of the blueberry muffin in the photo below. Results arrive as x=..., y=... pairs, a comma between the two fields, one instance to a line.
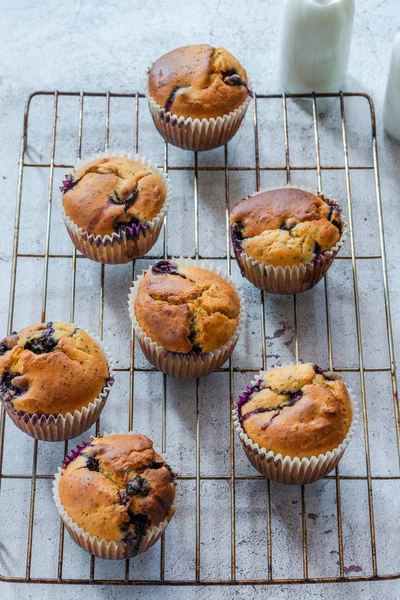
x=298, y=411
x=201, y=82
x=286, y=228
x=186, y=312
x=113, y=201
x=117, y=488
x=52, y=370
x=197, y=82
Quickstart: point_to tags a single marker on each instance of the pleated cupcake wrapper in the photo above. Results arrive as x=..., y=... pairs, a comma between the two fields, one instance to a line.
x=58, y=428
x=178, y=364
x=98, y=546
x=296, y=471
x=120, y=247
x=195, y=134
x=289, y=279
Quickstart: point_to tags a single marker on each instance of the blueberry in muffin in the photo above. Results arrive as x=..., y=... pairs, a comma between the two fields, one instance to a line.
x=296, y=411
x=186, y=309
x=200, y=82
x=117, y=488
x=285, y=227
x=51, y=369
x=113, y=194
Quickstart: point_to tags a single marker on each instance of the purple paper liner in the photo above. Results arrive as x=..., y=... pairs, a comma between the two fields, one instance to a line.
x=74, y=454
x=132, y=232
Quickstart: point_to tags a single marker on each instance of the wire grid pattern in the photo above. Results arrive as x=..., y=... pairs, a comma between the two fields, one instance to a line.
x=232, y=478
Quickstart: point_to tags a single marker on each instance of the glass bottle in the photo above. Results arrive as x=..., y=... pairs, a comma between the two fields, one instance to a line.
x=315, y=45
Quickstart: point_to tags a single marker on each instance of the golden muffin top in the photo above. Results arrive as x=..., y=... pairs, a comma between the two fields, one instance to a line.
x=186, y=309
x=50, y=369
x=297, y=411
x=118, y=487
x=286, y=226
x=198, y=82
x=113, y=194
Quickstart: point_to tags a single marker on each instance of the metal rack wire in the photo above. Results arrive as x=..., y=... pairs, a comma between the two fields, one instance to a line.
x=232, y=478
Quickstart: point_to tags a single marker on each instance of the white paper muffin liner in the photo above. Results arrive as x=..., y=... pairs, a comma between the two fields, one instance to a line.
x=289, y=279
x=195, y=134
x=295, y=471
x=119, y=247
x=58, y=428
x=179, y=364
x=98, y=546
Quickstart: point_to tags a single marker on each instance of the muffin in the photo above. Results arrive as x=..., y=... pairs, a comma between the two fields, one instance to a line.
x=54, y=380
x=187, y=318
x=114, y=207
x=285, y=239
x=198, y=96
x=115, y=495
x=295, y=422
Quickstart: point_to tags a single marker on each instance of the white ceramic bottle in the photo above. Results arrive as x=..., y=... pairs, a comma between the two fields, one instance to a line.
x=315, y=45
x=391, y=109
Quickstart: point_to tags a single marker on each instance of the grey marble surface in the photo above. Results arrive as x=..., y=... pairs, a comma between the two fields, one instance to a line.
x=97, y=46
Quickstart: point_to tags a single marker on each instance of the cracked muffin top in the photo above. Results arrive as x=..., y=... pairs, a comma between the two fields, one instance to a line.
x=113, y=194
x=117, y=487
x=298, y=410
x=198, y=82
x=286, y=226
x=186, y=309
x=51, y=369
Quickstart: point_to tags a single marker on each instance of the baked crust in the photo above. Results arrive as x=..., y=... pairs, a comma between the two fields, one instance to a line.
x=51, y=369
x=118, y=487
x=286, y=226
x=297, y=411
x=198, y=81
x=185, y=309
x=108, y=194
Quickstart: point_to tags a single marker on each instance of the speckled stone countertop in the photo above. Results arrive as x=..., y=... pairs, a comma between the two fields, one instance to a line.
x=97, y=46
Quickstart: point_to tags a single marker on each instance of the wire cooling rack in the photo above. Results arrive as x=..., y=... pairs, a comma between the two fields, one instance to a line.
x=344, y=533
